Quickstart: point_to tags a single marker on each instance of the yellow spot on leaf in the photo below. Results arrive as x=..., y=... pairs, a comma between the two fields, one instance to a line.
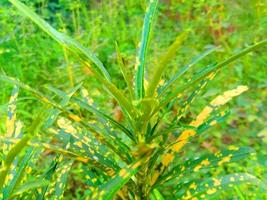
x=123, y=173
x=218, y=154
x=75, y=117
x=154, y=178
x=225, y=159
x=193, y=186
x=203, y=115
x=137, y=63
x=213, y=123
x=228, y=95
x=202, y=164
x=216, y=182
x=211, y=191
x=187, y=196
x=66, y=125
x=233, y=148
x=205, y=162
x=28, y=170
x=45, y=100
x=167, y=158
x=79, y=144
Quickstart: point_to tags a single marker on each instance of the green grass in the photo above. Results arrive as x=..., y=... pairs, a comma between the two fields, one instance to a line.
x=112, y=31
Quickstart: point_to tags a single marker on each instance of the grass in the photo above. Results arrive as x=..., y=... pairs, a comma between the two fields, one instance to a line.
x=145, y=136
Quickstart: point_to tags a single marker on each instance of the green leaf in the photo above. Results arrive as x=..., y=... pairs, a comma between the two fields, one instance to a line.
x=11, y=113
x=48, y=177
x=83, y=149
x=83, y=53
x=157, y=195
x=186, y=104
x=62, y=172
x=209, y=72
x=184, y=69
x=15, y=150
x=104, y=116
x=101, y=135
x=125, y=72
x=163, y=62
x=232, y=154
x=109, y=189
x=29, y=186
x=141, y=58
x=210, y=187
x=18, y=173
x=53, y=114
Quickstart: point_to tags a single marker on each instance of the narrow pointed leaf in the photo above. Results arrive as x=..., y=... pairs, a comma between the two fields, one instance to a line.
x=231, y=154
x=209, y=72
x=18, y=173
x=83, y=53
x=14, y=151
x=210, y=187
x=108, y=190
x=184, y=69
x=141, y=58
x=202, y=117
x=29, y=186
x=125, y=72
x=163, y=62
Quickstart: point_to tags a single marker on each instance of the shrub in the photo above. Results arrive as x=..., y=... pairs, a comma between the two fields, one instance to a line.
x=137, y=157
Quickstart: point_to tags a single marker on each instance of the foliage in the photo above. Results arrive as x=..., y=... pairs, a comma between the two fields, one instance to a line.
x=134, y=158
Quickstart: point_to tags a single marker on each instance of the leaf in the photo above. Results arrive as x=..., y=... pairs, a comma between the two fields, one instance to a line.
x=11, y=118
x=48, y=177
x=141, y=58
x=85, y=148
x=232, y=154
x=184, y=69
x=15, y=150
x=18, y=173
x=179, y=143
x=207, y=188
x=61, y=176
x=186, y=104
x=163, y=62
x=101, y=135
x=209, y=71
x=29, y=186
x=204, y=114
x=53, y=114
x=125, y=72
x=157, y=195
x=67, y=42
x=87, y=104
x=104, y=116
x=83, y=53
x=109, y=189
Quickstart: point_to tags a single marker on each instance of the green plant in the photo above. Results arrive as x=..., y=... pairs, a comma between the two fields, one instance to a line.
x=137, y=158
x=13, y=165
